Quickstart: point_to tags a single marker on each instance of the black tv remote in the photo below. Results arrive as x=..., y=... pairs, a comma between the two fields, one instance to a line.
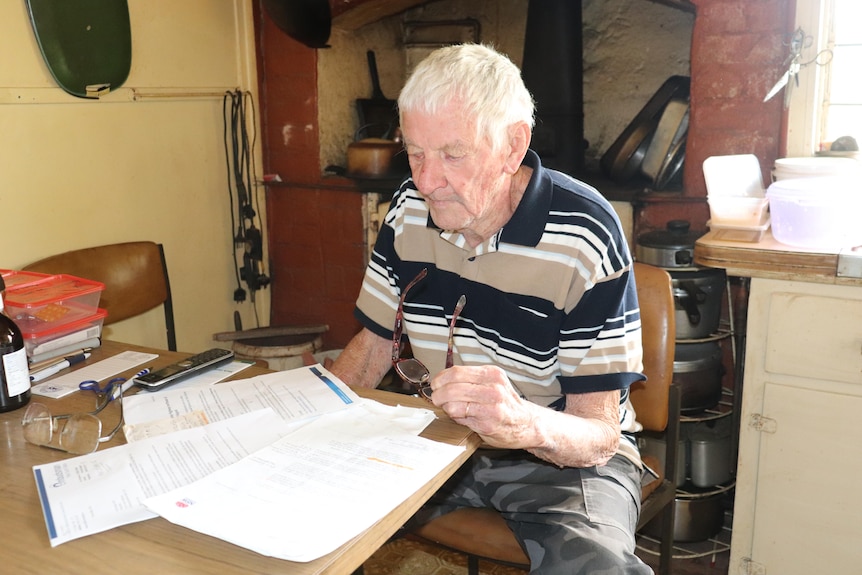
x=184, y=368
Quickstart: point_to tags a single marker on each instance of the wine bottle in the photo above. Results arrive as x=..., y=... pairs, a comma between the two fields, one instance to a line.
x=14, y=370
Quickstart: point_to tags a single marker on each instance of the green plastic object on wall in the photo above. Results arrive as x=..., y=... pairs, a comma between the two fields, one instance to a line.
x=87, y=44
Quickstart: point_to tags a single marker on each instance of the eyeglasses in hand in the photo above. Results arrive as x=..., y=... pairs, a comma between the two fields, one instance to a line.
x=411, y=369
x=78, y=433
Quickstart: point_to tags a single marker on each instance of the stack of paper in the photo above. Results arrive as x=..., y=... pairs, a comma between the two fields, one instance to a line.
x=265, y=463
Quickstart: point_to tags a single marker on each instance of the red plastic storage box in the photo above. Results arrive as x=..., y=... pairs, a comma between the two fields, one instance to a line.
x=54, y=301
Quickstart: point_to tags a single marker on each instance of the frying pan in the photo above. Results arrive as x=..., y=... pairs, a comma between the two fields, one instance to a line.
x=378, y=115
x=87, y=45
x=671, y=128
x=622, y=161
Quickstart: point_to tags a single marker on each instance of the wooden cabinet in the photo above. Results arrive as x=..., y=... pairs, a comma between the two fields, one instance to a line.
x=798, y=505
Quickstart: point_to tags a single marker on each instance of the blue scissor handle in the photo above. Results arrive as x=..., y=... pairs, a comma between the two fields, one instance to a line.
x=93, y=385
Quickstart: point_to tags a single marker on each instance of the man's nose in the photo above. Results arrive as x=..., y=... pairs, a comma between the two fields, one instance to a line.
x=429, y=175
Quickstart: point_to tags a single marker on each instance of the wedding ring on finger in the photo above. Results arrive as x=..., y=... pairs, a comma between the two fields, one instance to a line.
x=467, y=411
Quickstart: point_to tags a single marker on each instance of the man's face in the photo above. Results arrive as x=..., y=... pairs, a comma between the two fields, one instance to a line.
x=462, y=180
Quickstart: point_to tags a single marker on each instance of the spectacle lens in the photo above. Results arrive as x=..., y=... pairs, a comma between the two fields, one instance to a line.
x=38, y=424
x=412, y=370
x=81, y=434
x=415, y=373
x=78, y=433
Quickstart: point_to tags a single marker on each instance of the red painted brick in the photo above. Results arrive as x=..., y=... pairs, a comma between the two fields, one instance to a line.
x=719, y=17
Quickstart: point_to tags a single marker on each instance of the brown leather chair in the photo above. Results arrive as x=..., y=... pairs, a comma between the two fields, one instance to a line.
x=484, y=534
x=134, y=273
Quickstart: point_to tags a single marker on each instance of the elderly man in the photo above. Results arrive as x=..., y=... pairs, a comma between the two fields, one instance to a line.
x=513, y=284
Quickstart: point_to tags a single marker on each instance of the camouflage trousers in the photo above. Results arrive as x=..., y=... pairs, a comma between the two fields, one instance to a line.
x=569, y=521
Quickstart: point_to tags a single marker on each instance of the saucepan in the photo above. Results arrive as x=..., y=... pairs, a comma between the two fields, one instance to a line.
x=375, y=157
x=698, y=515
x=698, y=370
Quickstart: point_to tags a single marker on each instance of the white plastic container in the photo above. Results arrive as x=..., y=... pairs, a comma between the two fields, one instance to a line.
x=735, y=192
x=738, y=211
x=736, y=175
x=814, y=167
x=817, y=213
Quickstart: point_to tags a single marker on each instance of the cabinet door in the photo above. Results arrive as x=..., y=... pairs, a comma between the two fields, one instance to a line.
x=798, y=504
x=815, y=336
x=808, y=508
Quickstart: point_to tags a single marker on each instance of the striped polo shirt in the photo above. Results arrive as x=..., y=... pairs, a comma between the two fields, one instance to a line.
x=550, y=298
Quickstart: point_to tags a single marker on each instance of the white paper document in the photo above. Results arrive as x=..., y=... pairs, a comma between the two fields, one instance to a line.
x=62, y=385
x=92, y=493
x=312, y=490
x=101, y=490
x=295, y=394
x=190, y=434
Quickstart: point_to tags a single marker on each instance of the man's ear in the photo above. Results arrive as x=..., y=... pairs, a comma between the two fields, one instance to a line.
x=519, y=142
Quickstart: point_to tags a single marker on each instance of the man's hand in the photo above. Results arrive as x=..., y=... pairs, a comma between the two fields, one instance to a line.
x=483, y=399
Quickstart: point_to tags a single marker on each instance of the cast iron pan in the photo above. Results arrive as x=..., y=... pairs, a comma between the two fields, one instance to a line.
x=307, y=21
x=378, y=115
x=623, y=159
x=86, y=44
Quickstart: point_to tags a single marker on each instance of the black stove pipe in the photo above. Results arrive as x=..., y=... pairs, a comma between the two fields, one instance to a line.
x=553, y=71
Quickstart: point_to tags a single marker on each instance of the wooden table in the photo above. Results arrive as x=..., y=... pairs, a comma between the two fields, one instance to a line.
x=156, y=545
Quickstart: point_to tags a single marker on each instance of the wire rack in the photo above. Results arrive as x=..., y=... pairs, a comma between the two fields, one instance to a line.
x=693, y=550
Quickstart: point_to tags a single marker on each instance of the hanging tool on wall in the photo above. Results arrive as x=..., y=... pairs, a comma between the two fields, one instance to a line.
x=794, y=63
x=247, y=234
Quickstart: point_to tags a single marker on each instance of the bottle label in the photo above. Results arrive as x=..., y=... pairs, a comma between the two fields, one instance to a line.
x=17, y=372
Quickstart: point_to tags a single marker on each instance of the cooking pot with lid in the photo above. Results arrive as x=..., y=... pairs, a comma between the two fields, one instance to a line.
x=697, y=297
x=672, y=247
x=697, y=291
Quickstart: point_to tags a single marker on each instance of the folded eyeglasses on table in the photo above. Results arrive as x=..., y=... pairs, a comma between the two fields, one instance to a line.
x=78, y=433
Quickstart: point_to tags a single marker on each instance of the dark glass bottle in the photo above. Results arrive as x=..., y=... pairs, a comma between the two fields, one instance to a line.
x=14, y=370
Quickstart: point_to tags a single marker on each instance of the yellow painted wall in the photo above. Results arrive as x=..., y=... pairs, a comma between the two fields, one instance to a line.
x=146, y=161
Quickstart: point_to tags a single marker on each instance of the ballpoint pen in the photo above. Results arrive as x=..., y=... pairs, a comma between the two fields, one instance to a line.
x=58, y=367
x=46, y=363
x=131, y=381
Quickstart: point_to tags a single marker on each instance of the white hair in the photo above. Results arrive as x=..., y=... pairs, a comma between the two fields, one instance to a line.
x=483, y=81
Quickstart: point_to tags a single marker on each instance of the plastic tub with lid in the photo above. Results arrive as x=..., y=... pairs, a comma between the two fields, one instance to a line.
x=53, y=301
x=817, y=213
x=815, y=166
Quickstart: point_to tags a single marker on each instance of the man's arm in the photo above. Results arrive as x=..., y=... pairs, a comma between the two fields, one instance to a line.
x=365, y=360
x=585, y=434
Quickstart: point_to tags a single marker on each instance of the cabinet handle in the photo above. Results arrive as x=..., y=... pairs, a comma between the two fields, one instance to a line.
x=762, y=423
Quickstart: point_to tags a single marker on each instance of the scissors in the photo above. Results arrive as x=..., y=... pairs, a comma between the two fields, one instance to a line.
x=107, y=390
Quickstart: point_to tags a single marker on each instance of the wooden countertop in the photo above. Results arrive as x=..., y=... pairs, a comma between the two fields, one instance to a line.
x=769, y=258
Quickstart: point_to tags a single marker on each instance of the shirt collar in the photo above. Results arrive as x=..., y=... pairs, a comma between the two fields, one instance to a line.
x=527, y=224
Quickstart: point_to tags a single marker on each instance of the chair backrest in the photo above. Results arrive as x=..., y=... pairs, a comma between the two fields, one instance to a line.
x=134, y=273
x=658, y=333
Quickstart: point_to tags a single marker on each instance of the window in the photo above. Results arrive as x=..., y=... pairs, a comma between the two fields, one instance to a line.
x=828, y=101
